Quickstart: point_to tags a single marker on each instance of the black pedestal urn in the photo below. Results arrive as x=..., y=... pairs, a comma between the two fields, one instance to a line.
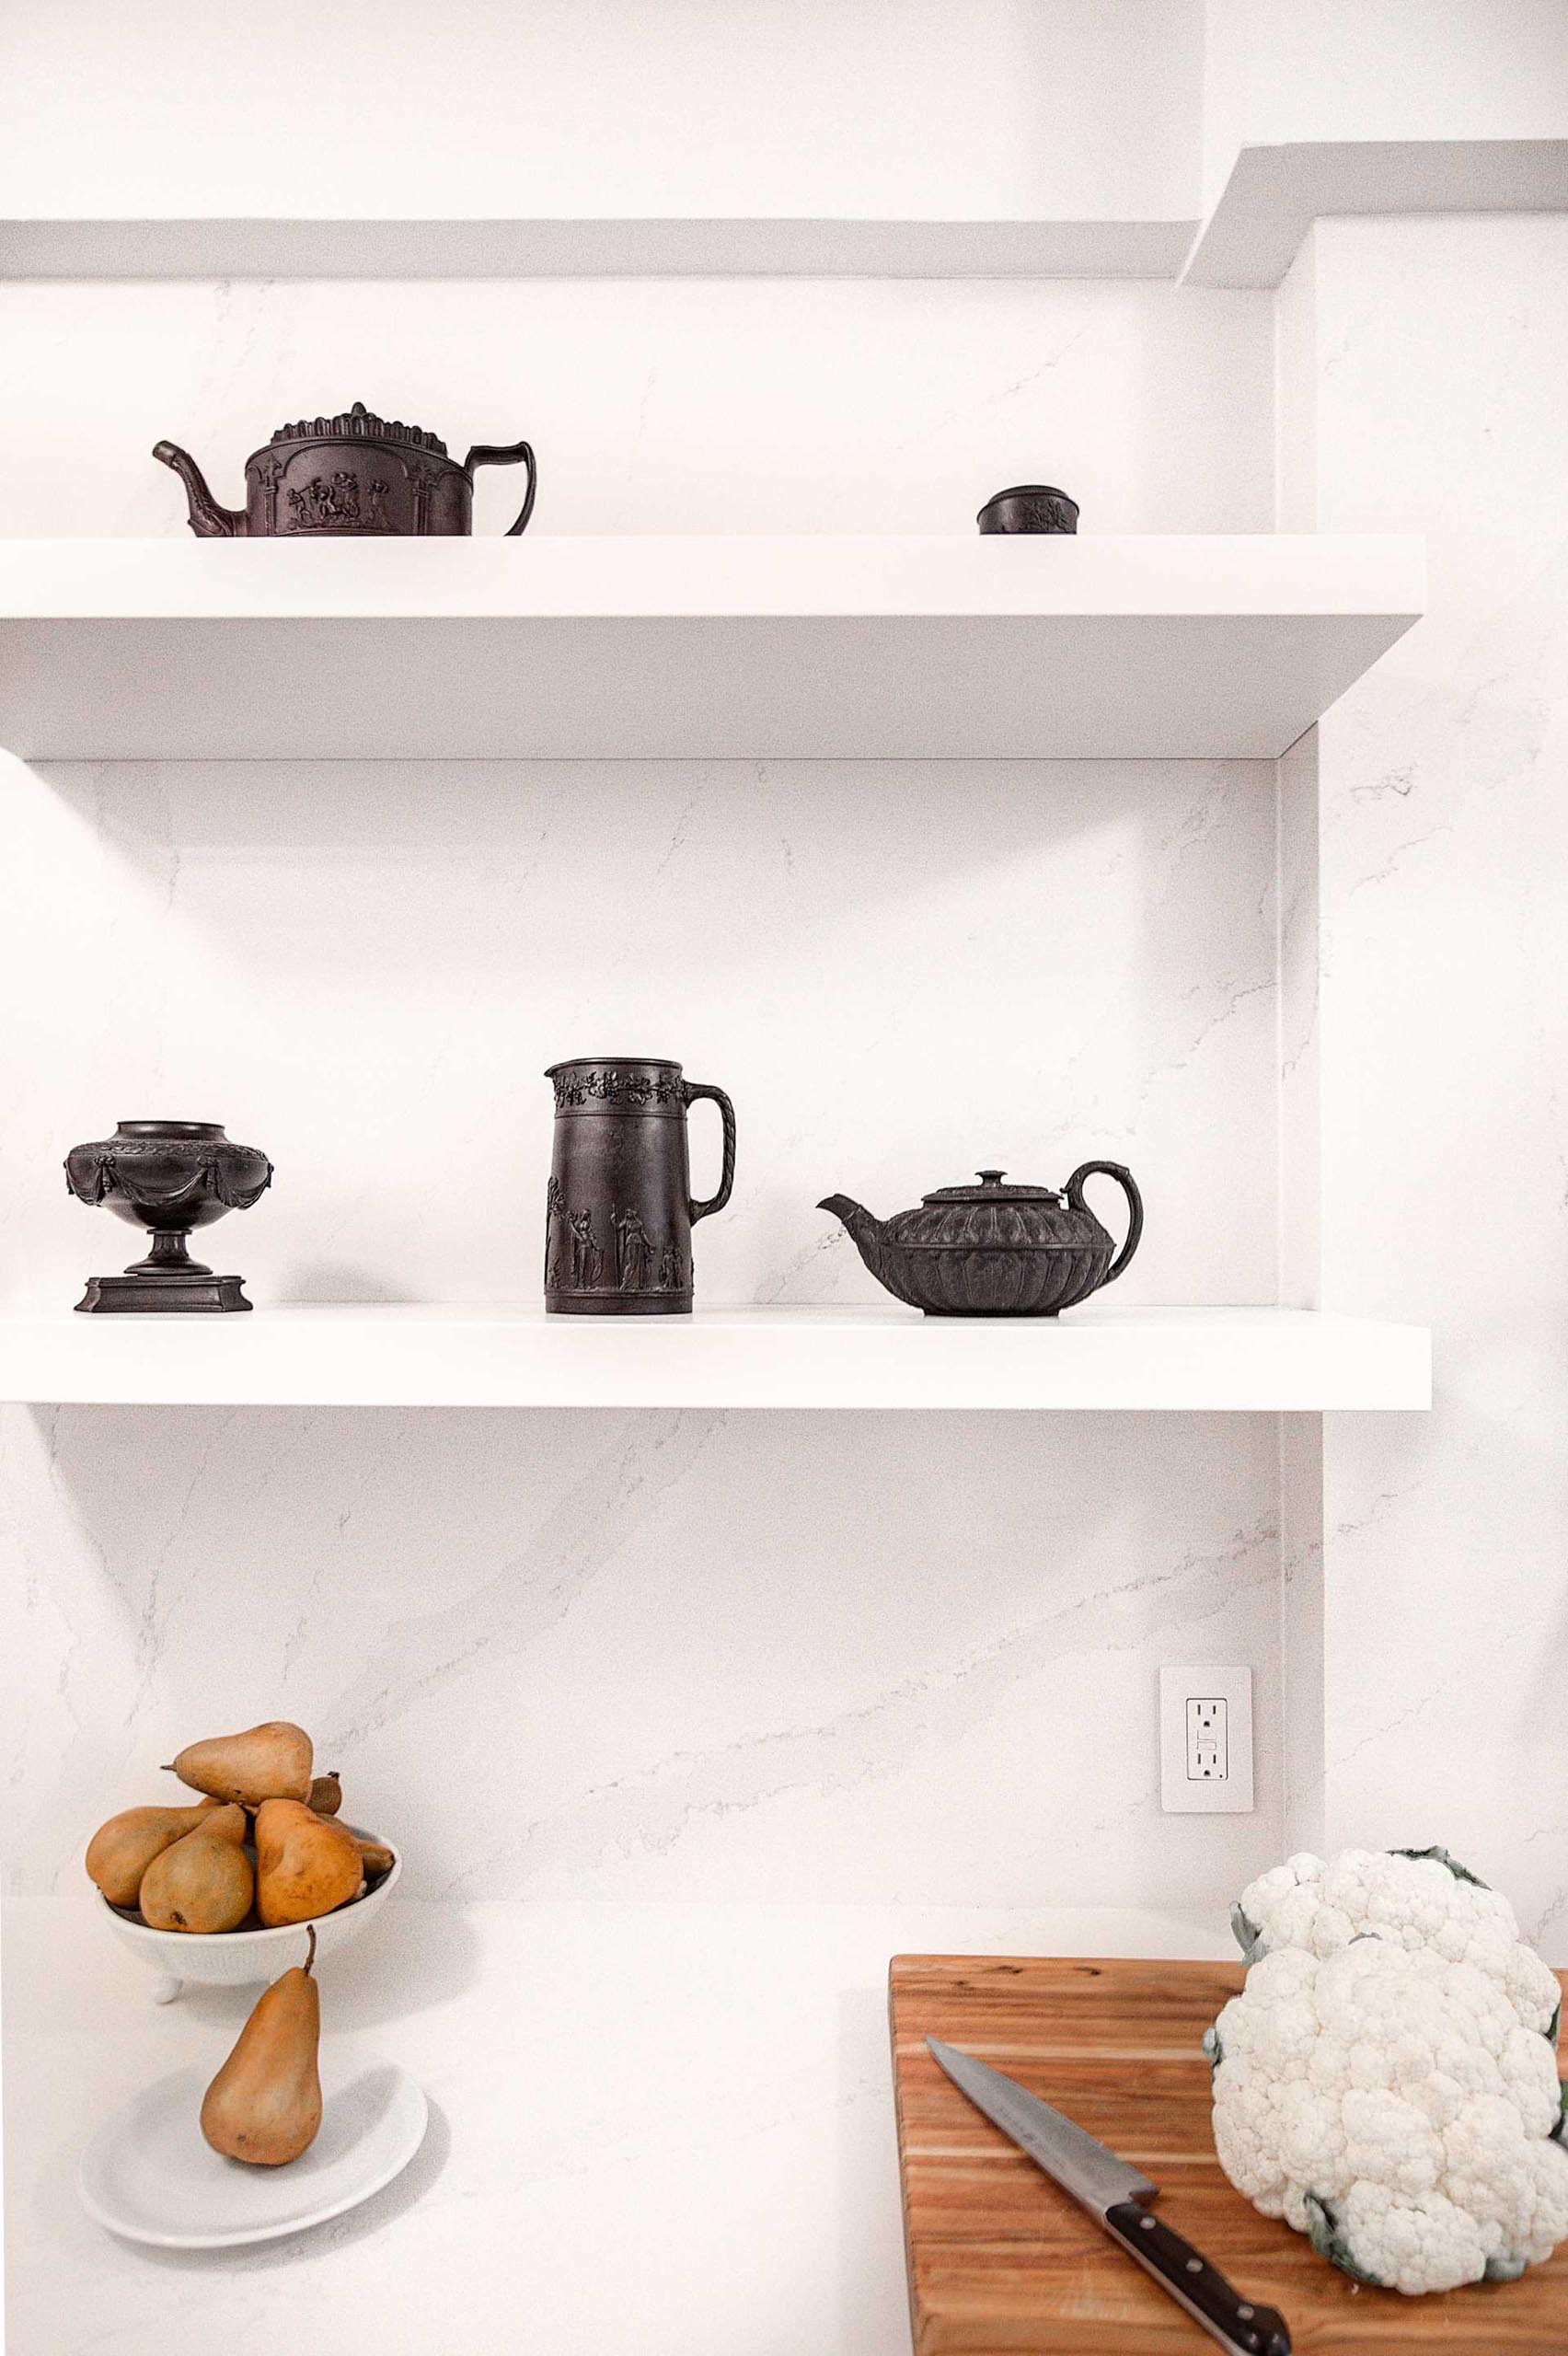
x=620, y=1212
x=168, y=1177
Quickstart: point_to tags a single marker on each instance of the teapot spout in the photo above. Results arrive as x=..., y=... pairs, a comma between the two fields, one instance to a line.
x=208, y=520
x=865, y=1232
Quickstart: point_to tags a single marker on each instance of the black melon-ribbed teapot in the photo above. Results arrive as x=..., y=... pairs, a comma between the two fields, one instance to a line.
x=995, y=1250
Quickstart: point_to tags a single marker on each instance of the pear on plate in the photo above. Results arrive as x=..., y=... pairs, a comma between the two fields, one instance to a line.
x=306, y=1863
x=264, y=2105
x=267, y=1762
x=204, y=1882
x=374, y=1855
x=326, y=1795
x=121, y=1851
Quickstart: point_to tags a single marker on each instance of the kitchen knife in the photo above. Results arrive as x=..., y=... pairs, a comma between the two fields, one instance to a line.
x=1115, y=2196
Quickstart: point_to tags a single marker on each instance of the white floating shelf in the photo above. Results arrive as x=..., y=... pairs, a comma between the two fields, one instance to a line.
x=643, y=247
x=1240, y=1360
x=1274, y=194
x=1180, y=647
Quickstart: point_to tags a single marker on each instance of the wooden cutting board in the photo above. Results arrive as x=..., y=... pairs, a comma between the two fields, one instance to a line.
x=1001, y=2261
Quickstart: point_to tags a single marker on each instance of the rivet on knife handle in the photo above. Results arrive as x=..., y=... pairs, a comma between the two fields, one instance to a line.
x=1196, y=2285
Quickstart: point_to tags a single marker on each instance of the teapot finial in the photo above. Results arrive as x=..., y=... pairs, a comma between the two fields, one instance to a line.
x=990, y=1177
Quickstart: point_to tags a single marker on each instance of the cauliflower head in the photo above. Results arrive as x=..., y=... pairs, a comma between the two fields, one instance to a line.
x=1417, y=1898
x=1389, y=2102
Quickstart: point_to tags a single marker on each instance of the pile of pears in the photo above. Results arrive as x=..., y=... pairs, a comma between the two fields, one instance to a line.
x=263, y=1847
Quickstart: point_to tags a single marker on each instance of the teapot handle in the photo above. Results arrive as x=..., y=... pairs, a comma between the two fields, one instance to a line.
x=1129, y=1187
x=495, y=454
x=694, y=1089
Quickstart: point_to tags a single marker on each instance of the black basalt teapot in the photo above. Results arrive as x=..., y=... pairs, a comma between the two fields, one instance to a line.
x=331, y=477
x=995, y=1250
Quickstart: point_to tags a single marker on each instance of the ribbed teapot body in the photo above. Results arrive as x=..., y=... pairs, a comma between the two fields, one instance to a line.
x=997, y=1280
x=995, y=1250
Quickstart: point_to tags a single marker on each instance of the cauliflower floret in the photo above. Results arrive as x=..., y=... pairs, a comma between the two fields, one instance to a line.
x=1422, y=1898
x=1390, y=2103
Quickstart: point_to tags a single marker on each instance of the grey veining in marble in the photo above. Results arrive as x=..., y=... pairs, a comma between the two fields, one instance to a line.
x=649, y=1655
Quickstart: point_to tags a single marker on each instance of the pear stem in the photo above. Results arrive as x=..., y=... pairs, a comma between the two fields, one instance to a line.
x=310, y=1957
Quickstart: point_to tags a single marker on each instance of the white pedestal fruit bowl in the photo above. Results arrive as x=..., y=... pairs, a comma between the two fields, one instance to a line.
x=240, y=1958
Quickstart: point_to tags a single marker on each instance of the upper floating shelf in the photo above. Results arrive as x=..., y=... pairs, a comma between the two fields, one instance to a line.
x=1205, y=1360
x=647, y=247
x=1274, y=194
x=1176, y=647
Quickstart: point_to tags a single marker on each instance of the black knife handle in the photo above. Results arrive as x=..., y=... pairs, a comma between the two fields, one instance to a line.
x=1196, y=2285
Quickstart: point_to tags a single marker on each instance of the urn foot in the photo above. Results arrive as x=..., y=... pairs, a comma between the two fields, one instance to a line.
x=133, y=1294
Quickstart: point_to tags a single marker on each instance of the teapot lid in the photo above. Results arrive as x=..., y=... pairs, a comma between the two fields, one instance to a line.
x=991, y=1190
x=360, y=423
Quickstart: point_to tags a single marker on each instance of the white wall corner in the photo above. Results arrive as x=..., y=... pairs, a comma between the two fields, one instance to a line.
x=1296, y=393
x=1300, y=1140
x=1302, y=1632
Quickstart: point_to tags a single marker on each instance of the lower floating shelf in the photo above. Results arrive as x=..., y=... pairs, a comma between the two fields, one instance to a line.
x=1203, y=1360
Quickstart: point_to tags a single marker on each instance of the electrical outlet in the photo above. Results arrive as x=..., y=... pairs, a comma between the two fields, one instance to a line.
x=1205, y=1741
x=1208, y=1739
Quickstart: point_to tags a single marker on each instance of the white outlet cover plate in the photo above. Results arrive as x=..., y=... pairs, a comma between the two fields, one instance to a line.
x=1182, y=1794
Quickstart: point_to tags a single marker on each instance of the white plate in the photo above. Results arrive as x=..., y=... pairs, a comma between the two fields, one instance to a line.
x=150, y=2175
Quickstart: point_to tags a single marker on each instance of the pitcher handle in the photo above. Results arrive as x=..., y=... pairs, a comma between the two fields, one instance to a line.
x=495, y=454
x=694, y=1089
x=1128, y=1184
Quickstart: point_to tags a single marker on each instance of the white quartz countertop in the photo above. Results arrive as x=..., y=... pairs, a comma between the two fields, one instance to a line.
x=657, y=2129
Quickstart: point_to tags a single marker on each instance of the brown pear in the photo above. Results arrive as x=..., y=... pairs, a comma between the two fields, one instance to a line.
x=204, y=1882
x=326, y=1795
x=306, y=1863
x=374, y=1855
x=267, y=1762
x=121, y=1851
x=264, y=2105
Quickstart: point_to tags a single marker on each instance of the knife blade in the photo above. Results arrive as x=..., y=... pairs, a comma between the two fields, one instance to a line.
x=1115, y=2195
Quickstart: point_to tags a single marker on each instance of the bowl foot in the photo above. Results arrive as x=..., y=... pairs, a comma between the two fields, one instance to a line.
x=167, y=1987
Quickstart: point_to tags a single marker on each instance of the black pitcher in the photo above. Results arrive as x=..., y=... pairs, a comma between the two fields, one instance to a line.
x=620, y=1213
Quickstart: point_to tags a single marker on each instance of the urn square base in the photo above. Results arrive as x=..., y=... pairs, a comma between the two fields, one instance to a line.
x=159, y=1296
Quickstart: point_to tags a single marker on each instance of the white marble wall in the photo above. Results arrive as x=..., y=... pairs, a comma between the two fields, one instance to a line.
x=659, y=405
x=882, y=1659
x=1441, y=404
x=899, y=970
x=550, y=109
x=653, y=1656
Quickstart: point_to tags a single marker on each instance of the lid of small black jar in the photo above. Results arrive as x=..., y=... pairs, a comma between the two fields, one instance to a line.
x=991, y=1190
x=1031, y=491
x=359, y=424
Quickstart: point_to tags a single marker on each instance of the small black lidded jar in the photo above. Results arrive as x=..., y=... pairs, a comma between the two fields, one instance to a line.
x=619, y=1210
x=1028, y=507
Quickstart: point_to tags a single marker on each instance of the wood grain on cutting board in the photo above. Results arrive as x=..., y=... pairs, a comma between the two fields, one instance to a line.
x=1002, y=2263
